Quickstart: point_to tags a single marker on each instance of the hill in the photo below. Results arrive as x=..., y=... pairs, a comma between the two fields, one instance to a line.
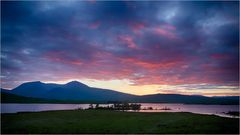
x=12, y=98
x=187, y=99
x=72, y=91
x=76, y=92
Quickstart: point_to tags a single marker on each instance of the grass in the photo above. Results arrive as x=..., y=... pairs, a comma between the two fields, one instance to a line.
x=104, y=121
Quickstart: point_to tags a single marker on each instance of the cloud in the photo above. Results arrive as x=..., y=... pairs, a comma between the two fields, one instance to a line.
x=165, y=33
x=170, y=43
x=128, y=40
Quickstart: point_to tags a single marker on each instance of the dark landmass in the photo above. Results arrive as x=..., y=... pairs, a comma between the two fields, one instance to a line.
x=71, y=91
x=187, y=99
x=233, y=113
x=76, y=92
x=12, y=98
x=105, y=121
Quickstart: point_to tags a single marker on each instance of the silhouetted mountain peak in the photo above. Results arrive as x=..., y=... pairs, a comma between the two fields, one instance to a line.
x=75, y=84
x=78, y=91
x=35, y=83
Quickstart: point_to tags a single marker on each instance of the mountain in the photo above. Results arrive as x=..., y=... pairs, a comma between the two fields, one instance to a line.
x=11, y=98
x=34, y=89
x=71, y=91
x=5, y=90
x=79, y=92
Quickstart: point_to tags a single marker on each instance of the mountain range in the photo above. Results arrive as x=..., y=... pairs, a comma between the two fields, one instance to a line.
x=76, y=91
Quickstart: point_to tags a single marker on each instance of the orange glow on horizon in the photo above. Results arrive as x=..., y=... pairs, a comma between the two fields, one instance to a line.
x=126, y=86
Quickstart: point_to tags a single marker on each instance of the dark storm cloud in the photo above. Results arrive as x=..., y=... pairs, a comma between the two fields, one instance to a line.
x=146, y=42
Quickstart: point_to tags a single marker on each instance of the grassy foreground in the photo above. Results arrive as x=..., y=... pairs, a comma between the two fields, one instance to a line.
x=100, y=121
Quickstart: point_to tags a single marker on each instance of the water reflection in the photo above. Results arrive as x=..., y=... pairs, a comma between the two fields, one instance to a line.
x=219, y=110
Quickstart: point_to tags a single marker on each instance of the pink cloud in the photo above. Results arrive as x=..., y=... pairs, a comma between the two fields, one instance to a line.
x=128, y=40
x=164, y=72
x=165, y=33
x=149, y=65
x=137, y=27
x=59, y=57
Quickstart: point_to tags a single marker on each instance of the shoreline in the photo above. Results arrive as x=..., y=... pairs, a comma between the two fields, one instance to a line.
x=223, y=115
x=110, y=122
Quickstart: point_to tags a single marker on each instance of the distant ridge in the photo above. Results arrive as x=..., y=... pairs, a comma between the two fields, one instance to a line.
x=75, y=84
x=70, y=91
x=12, y=98
x=77, y=91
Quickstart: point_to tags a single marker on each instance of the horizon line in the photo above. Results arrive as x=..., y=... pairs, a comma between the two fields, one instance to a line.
x=118, y=90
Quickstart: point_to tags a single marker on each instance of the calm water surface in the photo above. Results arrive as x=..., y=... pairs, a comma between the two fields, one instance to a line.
x=219, y=110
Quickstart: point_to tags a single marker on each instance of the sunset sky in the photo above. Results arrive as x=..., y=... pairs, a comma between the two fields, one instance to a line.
x=132, y=47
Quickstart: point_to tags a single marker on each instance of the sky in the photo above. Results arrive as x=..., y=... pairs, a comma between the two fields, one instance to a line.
x=137, y=47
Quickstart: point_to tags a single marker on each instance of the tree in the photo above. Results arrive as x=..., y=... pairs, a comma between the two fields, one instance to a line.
x=91, y=106
x=97, y=106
